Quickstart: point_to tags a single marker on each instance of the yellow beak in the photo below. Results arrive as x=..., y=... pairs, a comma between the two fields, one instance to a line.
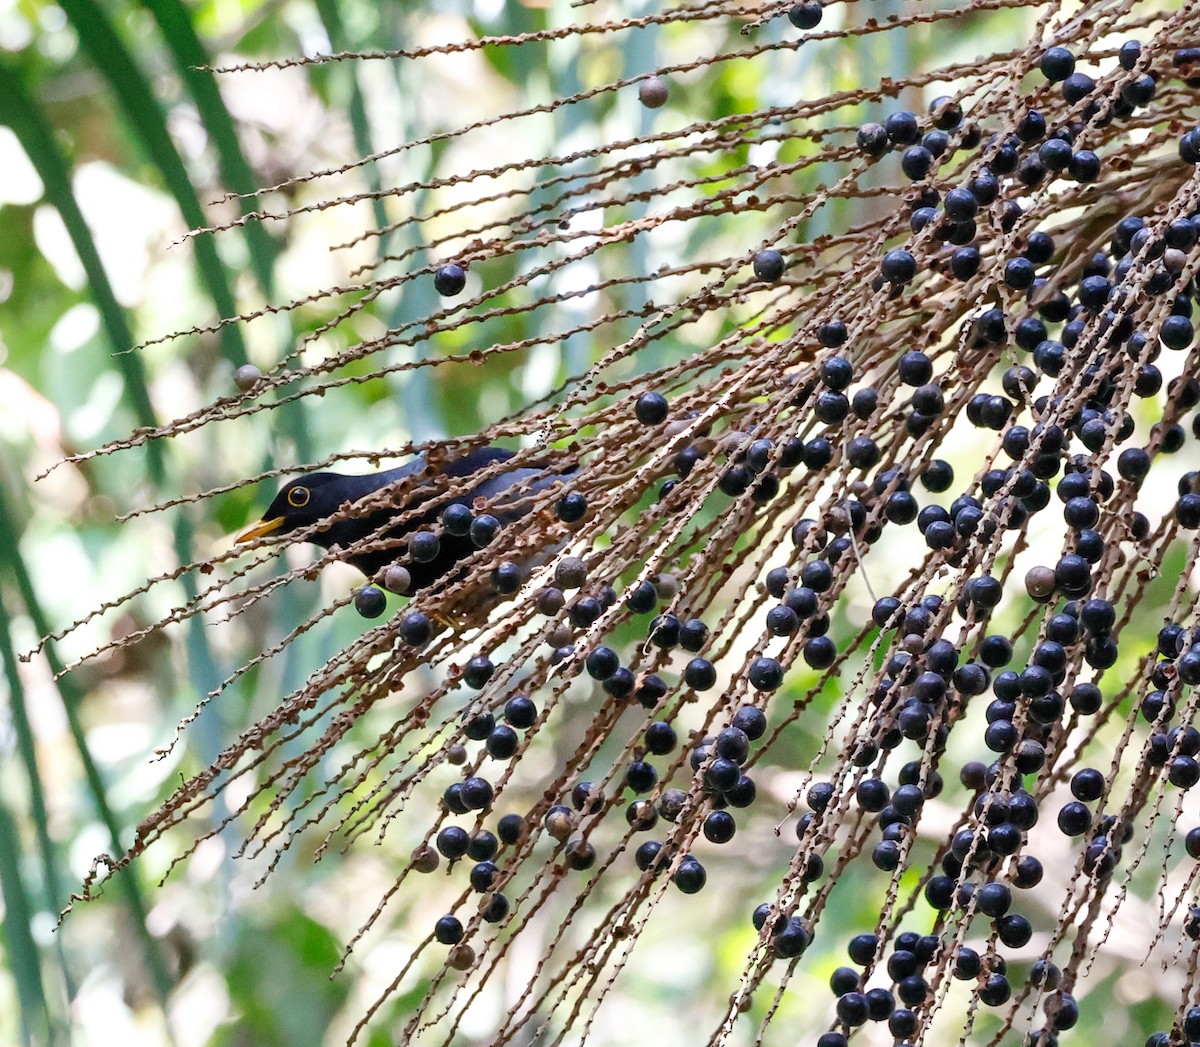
x=259, y=530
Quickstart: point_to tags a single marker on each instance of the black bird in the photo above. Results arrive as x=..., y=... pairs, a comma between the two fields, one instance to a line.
x=310, y=499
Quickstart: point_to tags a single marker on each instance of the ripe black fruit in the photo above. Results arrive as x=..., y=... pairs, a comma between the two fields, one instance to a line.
x=449, y=280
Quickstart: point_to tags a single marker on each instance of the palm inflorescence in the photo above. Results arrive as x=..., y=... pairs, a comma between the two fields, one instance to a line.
x=850, y=595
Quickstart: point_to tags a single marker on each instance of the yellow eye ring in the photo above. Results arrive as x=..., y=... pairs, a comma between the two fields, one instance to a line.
x=298, y=497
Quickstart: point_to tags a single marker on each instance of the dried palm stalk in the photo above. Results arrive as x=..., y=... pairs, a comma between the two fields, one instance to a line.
x=870, y=331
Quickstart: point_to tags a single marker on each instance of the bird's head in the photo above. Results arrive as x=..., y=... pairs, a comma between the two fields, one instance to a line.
x=301, y=503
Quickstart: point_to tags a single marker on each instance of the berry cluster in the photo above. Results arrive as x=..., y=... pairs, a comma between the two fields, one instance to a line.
x=901, y=555
x=1085, y=335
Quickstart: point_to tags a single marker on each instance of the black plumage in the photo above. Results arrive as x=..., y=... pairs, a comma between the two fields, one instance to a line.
x=310, y=499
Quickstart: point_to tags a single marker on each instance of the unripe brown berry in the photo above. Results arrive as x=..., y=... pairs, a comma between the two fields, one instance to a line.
x=653, y=92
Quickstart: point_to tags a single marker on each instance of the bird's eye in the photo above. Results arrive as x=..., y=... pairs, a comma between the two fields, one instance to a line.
x=298, y=497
